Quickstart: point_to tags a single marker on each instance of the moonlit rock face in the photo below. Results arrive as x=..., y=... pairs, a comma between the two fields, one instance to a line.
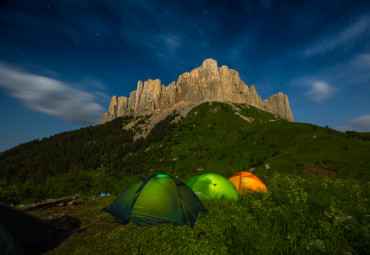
x=203, y=84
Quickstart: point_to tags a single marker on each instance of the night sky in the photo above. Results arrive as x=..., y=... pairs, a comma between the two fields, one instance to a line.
x=62, y=61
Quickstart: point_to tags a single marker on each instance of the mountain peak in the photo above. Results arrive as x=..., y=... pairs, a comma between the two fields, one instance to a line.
x=204, y=84
x=210, y=64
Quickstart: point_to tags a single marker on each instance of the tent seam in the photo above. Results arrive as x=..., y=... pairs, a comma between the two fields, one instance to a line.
x=138, y=192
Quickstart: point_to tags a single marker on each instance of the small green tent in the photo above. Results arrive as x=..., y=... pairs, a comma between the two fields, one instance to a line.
x=211, y=186
x=155, y=199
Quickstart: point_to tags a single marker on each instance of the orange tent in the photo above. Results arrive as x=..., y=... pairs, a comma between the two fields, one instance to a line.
x=245, y=181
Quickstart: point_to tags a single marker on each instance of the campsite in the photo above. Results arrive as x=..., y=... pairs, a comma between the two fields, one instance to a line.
x=184, y=127
x=305, y=208
x=296, y=211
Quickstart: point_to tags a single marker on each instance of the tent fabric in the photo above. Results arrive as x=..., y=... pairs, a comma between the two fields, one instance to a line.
x=24, y=231
x=7, y=243
x=212, y=186
x=245, y=181
x=156, y=199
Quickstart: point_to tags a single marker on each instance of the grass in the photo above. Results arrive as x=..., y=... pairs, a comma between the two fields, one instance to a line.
x=297, y=215
x=300, y=213
x=213, y=138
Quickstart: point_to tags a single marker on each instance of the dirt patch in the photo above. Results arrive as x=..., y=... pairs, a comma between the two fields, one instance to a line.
x=181, y=107
x=314, y=169
x=237, y=111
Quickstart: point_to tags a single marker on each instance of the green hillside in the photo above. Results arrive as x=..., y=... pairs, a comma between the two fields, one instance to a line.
x=213, y=137
x=317, y=180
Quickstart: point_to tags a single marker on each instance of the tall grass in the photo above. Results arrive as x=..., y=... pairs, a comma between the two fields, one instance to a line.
x=309, y=215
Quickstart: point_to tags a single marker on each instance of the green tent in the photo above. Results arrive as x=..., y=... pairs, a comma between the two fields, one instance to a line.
x=155, y=199
x=211, y=186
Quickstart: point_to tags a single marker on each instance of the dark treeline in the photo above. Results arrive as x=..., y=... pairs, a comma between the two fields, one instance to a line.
x=69, y=154
x=87, y=148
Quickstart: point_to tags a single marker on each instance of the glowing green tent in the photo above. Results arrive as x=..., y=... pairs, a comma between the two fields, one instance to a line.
x=155, y=199
x=212, y=186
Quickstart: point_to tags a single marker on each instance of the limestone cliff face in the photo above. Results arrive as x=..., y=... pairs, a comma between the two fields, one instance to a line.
x=203, y=84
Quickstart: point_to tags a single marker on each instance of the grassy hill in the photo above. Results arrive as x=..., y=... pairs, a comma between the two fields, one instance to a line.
x=318, y=183
x=212, y=138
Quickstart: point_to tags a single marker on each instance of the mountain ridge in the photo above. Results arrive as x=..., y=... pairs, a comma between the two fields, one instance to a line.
x=203, y=84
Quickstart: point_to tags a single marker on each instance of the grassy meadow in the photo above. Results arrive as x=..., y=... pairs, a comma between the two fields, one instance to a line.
x=318, y=184
x=298, y=215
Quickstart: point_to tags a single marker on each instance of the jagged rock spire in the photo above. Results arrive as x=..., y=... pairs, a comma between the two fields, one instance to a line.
x=203, y=84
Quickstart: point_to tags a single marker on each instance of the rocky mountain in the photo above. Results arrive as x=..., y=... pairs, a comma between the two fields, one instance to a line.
x=203, y=84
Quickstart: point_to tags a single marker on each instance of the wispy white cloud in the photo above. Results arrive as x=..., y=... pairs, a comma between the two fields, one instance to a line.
x=361, y=124
x=161, y=32
x=353, y=72
x=347, y=35
x=320, y=91
x=238, y=48
x=350, y=77
x=171, y=43
x=50, y=96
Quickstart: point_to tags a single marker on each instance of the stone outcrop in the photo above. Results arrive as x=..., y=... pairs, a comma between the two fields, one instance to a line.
x=203, y=84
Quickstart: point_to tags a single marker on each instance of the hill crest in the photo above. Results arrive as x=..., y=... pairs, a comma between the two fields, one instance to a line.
x=203, y=84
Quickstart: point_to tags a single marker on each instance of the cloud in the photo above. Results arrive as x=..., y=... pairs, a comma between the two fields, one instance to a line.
x=347, y=35
x=50, y=96
x=167, y=32
x=350, y=78
x=320, y=91
x=361, y=124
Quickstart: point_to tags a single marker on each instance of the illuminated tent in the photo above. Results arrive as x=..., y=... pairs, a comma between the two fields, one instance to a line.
x=156, y=199
x=212, y=186
x=245, y=181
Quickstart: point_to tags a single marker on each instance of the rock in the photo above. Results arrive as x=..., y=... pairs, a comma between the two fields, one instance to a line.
x=71, y=203
x=77, y=230
x=203, y=84
x=267, y=166
x=279, y=105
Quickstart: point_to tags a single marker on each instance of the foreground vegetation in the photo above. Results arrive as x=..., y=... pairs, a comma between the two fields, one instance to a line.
x=310, y=215
x=317, y=180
